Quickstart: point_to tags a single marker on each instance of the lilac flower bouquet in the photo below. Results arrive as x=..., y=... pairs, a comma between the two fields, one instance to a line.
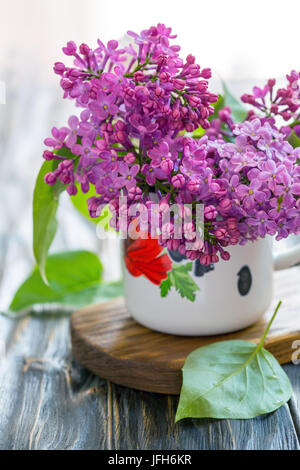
x=151, y=137
x=149, y=125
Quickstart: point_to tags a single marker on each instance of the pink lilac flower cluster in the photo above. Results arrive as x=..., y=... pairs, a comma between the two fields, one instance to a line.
x=132, y=139
x=285, y=102
x=132, y=98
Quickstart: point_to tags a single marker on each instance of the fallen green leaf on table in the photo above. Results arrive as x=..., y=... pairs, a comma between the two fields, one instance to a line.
x=74, y=280
x=232, y=379
x=180, y=279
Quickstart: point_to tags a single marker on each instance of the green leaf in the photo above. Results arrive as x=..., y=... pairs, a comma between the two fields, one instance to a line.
x=294, y=140
x=80, y=203
x=238, y=111
x=199, y=132
x=165, y=287
x=101, y=292
x=45, y=204
x=66, y=153
x=180, y=279
x=218, y=106
x=74, y=280
x=233, y=380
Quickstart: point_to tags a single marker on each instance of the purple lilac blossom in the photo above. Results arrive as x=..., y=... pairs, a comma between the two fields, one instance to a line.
x=130, y=139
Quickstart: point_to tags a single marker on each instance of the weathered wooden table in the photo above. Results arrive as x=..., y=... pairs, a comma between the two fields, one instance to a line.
x=47, y=400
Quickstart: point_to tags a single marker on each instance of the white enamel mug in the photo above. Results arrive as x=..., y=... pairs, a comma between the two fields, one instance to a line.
x=233, y=294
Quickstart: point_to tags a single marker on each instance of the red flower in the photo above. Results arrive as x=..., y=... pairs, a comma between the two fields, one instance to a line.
x=142, y=258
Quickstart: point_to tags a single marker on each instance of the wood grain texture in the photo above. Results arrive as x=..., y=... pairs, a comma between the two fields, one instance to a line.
x=111, y=344
x=49, y=401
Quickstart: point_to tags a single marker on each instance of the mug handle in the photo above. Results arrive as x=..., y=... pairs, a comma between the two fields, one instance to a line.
x=288, y=258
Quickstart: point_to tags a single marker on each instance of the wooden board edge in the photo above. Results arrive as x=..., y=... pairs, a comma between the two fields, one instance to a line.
x=116, y=371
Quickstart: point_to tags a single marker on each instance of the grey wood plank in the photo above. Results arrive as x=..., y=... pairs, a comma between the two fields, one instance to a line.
x=46, y=402
x=293, y=371
x=146, y=421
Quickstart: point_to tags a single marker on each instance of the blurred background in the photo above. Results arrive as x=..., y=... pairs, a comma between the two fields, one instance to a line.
x=243, y=42
x=238, y=39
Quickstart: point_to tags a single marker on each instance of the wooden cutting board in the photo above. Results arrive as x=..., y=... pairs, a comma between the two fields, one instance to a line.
x=111, y=344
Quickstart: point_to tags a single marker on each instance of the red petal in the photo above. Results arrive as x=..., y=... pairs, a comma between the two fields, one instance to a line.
x=157, y=270
x=132, y=268
x=144, y=250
